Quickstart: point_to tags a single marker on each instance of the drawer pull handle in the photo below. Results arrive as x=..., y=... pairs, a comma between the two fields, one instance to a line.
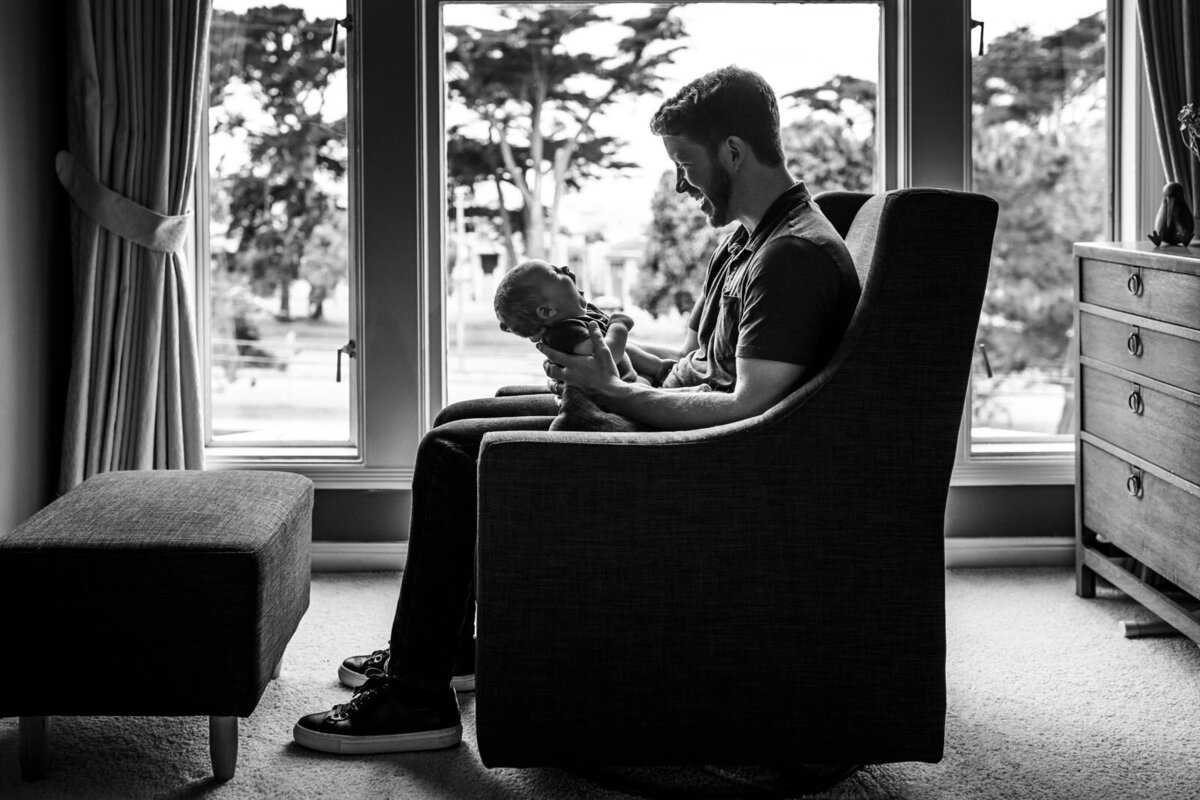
x=1134, y=284
x=1133, y=484
x=1134, y=343
x=1136, y=404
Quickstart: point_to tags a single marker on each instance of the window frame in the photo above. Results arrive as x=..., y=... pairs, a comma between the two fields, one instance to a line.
x=1058, y=468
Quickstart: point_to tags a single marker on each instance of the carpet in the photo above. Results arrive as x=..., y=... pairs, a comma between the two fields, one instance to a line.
x=1046, y=700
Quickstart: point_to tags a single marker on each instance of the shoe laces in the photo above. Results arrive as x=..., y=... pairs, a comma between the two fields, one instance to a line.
x=373, y=666
x=363, y=696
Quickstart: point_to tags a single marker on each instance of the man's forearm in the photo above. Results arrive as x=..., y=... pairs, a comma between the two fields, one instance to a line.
x=674, y=409
x=660, y=350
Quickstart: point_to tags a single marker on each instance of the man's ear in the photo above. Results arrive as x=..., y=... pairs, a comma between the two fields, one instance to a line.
x=544, y=311
x=733, y=152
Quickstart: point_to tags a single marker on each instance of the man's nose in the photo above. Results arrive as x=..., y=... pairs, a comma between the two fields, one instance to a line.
x=681, y=184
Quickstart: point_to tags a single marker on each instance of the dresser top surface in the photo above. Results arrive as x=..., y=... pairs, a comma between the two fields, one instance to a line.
x=1181, y=259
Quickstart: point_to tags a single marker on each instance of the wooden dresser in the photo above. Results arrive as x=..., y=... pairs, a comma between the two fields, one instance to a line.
x=1137, y=389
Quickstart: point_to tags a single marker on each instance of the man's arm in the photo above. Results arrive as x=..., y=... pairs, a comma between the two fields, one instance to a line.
x=663, y=351
x=760, y=385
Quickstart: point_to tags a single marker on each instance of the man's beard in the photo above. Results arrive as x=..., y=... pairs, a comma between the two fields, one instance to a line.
x=717, y=199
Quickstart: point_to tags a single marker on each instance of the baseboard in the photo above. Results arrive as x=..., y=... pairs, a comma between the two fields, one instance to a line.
x=358, y=556
x=1011, y=551
x=990, y=551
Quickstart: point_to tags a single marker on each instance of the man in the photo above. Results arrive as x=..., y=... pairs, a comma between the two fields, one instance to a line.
x=777, y=298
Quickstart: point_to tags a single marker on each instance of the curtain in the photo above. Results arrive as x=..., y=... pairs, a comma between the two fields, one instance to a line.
x=1171, y=46
x=136, y=74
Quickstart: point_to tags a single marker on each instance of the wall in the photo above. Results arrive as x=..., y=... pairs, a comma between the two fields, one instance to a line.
x=35, y=291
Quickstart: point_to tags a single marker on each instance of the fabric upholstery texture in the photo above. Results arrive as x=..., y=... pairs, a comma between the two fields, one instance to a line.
x=770, y=591
x=168, y=592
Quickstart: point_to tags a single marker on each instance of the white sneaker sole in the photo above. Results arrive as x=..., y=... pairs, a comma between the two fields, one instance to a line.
x=348, y=677
x=387, y=743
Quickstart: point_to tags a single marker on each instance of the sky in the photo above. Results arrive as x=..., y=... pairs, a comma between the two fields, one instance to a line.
x=792, y=45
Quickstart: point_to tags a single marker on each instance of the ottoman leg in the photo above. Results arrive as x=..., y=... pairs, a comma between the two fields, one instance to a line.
x=223, y=746
x=33, y=747
x=278, y=669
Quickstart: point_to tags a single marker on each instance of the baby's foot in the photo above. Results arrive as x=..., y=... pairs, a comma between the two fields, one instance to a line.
x=623, y=319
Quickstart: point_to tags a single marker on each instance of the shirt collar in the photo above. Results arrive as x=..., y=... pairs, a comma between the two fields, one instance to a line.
x=776, y=213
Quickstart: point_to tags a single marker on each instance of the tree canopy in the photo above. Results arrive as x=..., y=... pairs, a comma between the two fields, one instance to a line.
x=532, y=102
x=270, y=72
x=1039, y=150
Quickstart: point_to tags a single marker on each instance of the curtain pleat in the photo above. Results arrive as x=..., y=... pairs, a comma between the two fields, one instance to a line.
x=136, y=72
x=1170, y=31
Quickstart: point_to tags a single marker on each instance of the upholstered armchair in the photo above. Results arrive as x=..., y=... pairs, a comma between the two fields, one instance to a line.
x=769, y=591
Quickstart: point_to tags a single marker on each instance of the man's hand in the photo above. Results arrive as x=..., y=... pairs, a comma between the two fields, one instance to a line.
x=594, y=373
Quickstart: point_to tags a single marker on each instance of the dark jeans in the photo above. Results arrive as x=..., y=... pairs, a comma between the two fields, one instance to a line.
x=436, y=612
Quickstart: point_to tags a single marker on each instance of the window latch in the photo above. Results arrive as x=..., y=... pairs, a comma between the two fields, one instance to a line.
x=350, y=349
x=978, y=23
x=346, y=22
x=987, y=365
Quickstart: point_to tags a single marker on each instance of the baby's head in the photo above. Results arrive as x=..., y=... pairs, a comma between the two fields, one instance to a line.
x=534, y=294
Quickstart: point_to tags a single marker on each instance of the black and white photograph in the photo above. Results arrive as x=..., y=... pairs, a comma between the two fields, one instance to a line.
x=600, y=400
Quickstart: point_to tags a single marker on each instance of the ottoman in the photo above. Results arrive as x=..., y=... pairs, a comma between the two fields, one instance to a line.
x=168, y=593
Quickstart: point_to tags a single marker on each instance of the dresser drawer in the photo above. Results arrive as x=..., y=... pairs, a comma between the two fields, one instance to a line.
x=1164, y=429
x=1152, y=520
x=1168, y=296
x=1169, y=358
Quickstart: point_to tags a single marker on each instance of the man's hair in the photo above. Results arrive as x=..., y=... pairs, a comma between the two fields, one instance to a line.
x=517, y=299
x=730, y=101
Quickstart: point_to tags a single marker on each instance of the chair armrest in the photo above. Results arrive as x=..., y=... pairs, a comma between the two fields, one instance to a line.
x=522, y=389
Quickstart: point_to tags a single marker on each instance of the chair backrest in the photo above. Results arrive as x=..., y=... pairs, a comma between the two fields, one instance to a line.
x=840, y=208
x=922, y=256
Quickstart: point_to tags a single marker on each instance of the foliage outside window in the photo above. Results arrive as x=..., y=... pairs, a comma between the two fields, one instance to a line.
x=1039, y=148
x=278, y=283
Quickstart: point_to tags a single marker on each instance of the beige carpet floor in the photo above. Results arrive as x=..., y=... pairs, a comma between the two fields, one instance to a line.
x=1046, y=699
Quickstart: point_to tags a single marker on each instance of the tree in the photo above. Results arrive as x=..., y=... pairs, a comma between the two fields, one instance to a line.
x=323, y=264
x=1039, y=151
x=534, y=104
x=832, y=146
x=678, y=246
x=280, y=192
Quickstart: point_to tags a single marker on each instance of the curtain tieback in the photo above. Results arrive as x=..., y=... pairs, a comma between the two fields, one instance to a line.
x=119, y=214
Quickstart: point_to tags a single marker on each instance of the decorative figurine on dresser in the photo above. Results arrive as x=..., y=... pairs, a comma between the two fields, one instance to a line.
x=1173, y=224
x=1137, y=488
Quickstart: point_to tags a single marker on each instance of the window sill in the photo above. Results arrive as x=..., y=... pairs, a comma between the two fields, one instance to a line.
x=1022, y=470
x=321, y=466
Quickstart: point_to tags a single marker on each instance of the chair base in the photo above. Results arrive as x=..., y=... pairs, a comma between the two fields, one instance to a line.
x=33, y=747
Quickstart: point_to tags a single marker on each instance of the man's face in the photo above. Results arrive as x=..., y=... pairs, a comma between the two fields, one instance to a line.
x=700, y=176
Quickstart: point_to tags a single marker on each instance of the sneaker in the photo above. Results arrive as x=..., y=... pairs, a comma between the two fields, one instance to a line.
x=355, y=670
x=380, y=718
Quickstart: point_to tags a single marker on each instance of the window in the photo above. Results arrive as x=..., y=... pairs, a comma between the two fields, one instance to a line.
x=600, y=197
x=279, y=289
x=1039, y=146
